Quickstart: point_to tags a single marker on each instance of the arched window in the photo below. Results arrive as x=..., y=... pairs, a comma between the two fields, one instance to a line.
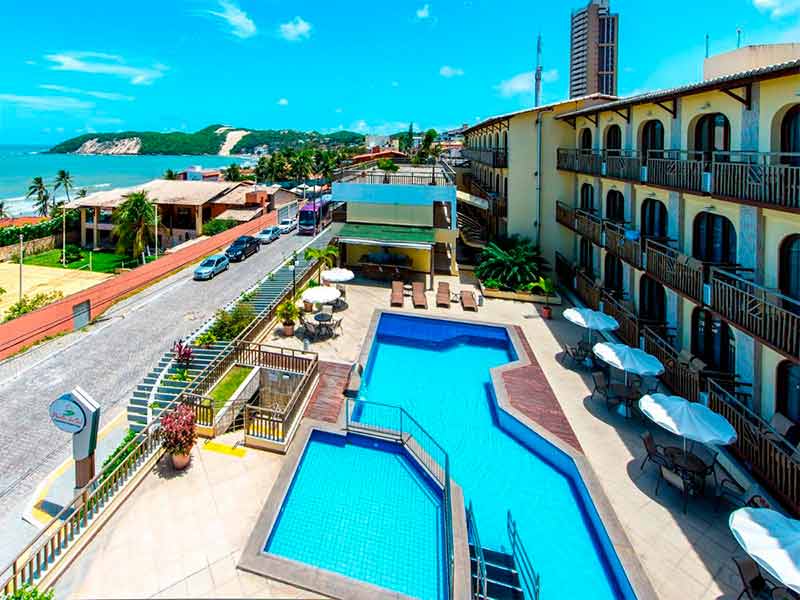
x=789, y=271
x=586, y=140
x=712, y=134
x=497, y=184
x=615, y=206
x=787, y=399
x=654, y=219
x=790, y=136
x=505, y=139
x=505, y=187
x=652, y=140
x=613, y=140
x=612, y=274
x=714, y=239
x=586, y=256
x=712, y=341
x=652, y=300
x=496, y=140
x=587, y=197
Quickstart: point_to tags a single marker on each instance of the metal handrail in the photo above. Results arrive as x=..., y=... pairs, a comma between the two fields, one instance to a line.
x=425, y=442
x=472, y=532
x=528, y=577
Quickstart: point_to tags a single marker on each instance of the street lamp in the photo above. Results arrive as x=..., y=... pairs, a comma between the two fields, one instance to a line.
x=20, y=267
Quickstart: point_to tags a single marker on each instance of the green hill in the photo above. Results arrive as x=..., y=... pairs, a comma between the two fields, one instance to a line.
x=285, y=138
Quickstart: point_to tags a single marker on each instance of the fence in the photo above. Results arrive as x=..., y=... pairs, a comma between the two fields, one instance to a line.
x=395, y=424
x=528, y=577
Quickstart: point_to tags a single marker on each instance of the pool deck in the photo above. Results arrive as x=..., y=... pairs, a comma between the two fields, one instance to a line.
x=183, y=535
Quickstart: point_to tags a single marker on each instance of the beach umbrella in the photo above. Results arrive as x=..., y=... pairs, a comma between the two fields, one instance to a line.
x=772, y=540
x=690, y=420
x=628, y=359
x=321, y=295
x=593, y=320
x=338, y=275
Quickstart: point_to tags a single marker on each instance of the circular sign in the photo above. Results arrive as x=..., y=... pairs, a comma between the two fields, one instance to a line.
x=67, y=414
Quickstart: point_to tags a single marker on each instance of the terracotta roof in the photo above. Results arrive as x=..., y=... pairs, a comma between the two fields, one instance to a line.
x=17, y=221
x=163, y=191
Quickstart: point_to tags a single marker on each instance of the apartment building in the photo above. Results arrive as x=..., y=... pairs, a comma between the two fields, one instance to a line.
x=594, y=35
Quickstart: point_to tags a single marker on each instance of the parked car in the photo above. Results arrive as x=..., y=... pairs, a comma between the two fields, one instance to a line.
x=268, y=235
x=211, y=266
x=287, y=225
x=242, y=247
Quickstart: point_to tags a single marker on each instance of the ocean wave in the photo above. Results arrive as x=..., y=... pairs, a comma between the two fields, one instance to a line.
x=100, y=185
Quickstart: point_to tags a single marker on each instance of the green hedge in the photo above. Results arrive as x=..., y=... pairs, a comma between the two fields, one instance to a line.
x=215, y=226
x=120, y=453
x=10, y=235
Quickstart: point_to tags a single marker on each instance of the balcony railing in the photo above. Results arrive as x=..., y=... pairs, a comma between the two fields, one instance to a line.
x=769, y=455
x=587, y=289
x=682, y=273
x=629, y=324
x=768, y=315
x=565, y=215
x=677, y=169
x=623, y=164
x=589, y=226
x=579, y=161
x=497, y=158
x=624, y=244
x=771, y=178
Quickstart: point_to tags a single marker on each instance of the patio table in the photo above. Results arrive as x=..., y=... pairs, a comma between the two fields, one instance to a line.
x=688, y=461
x=322, y=317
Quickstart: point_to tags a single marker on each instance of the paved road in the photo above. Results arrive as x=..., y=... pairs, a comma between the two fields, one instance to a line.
x=108, y=360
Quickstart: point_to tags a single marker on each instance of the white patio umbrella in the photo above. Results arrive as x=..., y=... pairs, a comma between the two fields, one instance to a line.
x=321, y=295
x=591, y=319
x=338, y=275
x=628, y=359
x=690, y=420
x=772, y=540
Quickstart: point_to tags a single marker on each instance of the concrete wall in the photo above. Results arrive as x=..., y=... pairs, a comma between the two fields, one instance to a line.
x=30, y=247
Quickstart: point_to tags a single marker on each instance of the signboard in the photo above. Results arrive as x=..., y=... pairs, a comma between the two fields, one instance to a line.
x=67, y=414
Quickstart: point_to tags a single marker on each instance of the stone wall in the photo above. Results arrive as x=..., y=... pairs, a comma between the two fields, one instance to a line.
x=30, y=247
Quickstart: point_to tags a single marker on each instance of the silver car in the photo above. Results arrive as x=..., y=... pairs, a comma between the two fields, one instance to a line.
x=268, y=235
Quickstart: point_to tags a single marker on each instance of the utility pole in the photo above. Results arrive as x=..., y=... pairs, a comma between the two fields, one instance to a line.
x=155, y=223
x=738, y=37
x=64, y=235
x=20, y=267
x=706, y=45
x=538, y=77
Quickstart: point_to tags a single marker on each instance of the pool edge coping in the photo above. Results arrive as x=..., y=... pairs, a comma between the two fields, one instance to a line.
x=634, y=571
x=334, y=585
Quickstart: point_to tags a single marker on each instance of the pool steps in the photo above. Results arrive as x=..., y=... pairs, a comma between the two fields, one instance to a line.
x=502, y=578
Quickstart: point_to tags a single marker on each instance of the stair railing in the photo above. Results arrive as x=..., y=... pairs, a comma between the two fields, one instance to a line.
x=528, y=577
x=479, y=593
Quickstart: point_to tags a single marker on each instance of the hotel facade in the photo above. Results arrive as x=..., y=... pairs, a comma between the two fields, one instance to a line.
x=677, y=212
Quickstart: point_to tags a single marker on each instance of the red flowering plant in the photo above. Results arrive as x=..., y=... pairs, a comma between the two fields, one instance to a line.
x=177, y=430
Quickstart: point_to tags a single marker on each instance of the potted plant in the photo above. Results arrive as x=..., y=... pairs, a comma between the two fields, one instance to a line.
x=178, y=436
x=288, y=313
x=492, y=284
x=548, y=288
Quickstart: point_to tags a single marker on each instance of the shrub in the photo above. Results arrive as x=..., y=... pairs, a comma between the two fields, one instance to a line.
x=72, y=253
x=227, y=325
x=511, y=263
x=120, y=453
x=206, y=339
x=215, y=226
x=492, y=284
x=183, y=354
x=177, y=430
x=28, y=592
x=180, y=375
x=30, y=303
x=288, y=312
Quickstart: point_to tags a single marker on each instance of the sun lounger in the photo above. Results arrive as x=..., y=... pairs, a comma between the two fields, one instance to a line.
x=443, y=295
x=418, y=298
x=397, y=298
x=468, y=301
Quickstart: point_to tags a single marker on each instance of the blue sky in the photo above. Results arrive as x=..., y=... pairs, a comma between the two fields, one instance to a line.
x=83, y=66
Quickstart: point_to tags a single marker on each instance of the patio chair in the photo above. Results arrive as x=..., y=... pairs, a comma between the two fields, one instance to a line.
x=335, y=325
x=575, y=353
x=342, y=290
x=729, y=490
x=468, y=301
x=655, y=452
x=443, y=295
x=311, y=330
x=709, y=458
x=326, y=309
x=418, y=298
x=608, y=391
x=680, y=480
x=354, y=381
x=755, y=585
x=397, y=298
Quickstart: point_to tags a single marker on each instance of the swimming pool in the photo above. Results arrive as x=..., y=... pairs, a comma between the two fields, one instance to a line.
x=362, y=508
x=439, y=372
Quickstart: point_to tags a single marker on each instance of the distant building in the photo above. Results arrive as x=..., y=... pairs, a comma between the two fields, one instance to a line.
x=359, y=158
x=594, y=34
x=198, y=173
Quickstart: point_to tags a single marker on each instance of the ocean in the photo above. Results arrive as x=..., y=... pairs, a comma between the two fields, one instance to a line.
x=20, y=164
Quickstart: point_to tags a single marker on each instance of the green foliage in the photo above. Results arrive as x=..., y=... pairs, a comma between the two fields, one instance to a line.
x=38, y=189
x=10, y=235
x=492, y=284
x=313, y=283
x=205, y=141
x=387, y=165
x=72, y=253
x=180, y=375
x=170, y=175
x=512, y=263
x=177, y=430
x=232, y=173
x=277, y=139
x=30, y=303
x=288, y=312
x=28, y=592
x=215, y=226
x=545, y=285
x=206, y=339
x=327, y=256
x=133, y=222
x=227, y=325
x=407, y=139
x=120, y=453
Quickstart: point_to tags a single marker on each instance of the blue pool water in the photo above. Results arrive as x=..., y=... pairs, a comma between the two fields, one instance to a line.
x=439, y=372
x=361, y=508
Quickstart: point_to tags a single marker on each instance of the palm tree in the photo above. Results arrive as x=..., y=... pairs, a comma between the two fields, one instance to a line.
x=170, y=174
x=277, y=167
x=63, y=179
x=300, y=165
x=3, y=211
x=132, y=224
x=326, y=255
x=325, y=165
x=39, y=189
x=232, y=173
x=387, y=165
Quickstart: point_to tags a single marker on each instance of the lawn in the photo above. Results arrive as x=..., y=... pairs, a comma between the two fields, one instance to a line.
x=221, y=392
x=102, y=262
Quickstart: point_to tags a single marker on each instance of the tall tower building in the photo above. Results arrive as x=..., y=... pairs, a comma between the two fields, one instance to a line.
x=593, y=50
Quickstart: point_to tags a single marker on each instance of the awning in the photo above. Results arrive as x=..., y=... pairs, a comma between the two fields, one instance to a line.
x=387, y=235
x=241, y=214
x=475, y=201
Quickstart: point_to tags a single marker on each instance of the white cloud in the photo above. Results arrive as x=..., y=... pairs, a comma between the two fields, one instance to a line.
x=241, y=25
x=448, y=71
x=778, y=8
x=295, y=30
x=385, y=128
x=424, y=12
x=283, y=102
x=105, y=64
x=523, y=83
x=46, y=103
x=100, y=95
